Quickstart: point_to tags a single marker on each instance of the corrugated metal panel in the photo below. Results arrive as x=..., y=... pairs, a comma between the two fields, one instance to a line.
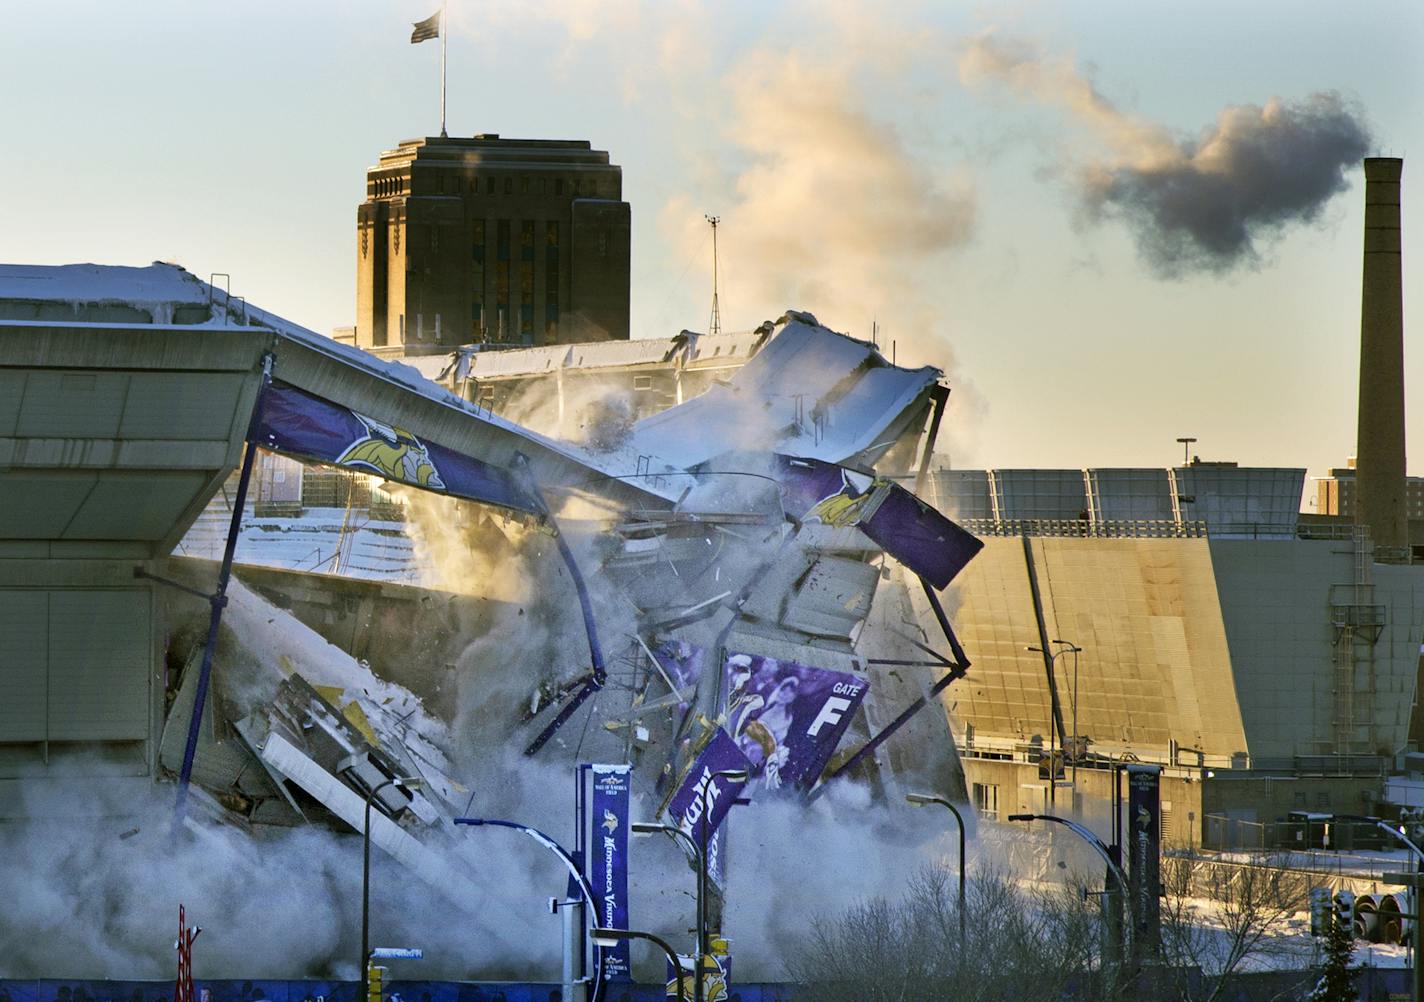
x=24, y=630
x=99, y=649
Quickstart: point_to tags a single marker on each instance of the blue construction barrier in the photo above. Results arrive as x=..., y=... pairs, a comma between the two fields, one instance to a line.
x=343, y=991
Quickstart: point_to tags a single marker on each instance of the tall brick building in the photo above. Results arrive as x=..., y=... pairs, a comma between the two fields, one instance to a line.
x=490, y=240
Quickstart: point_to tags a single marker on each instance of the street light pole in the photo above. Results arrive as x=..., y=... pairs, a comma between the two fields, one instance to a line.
x=1076, y=751
x=677, y=834
x=406, y=783
x=736, y=776
x=590, y=903
x=919, y=800
x=611, y=937
x=1097, y=846
x=1053, y=662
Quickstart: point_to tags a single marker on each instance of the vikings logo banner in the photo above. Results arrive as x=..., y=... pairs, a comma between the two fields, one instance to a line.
x=299, y=424
x=787, y=718
x=606, y=863
x=904, y=526
x=1144, y=841
x=703, y=799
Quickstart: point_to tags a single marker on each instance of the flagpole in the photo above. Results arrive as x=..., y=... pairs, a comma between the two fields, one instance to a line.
x=444, y=38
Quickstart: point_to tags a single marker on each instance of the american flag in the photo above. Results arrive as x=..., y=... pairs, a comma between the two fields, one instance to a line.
x=429, y=28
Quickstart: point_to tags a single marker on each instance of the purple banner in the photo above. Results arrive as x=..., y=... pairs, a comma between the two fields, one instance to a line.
x=606, y=864
x=904, y=526
x=786, y=717
x=1144, y=841
x=298, y=424
x=701, y=794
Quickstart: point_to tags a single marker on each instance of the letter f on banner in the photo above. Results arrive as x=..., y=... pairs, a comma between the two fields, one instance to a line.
x=830, y=713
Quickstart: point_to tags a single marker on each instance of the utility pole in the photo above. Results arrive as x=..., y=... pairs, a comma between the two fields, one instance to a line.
x=715, y=327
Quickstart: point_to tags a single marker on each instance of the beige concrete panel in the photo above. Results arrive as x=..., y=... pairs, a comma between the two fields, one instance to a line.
x=75, y=404
x=133, y=505
x=12, y=391
x=142, y=346
x=1155, y=665
x=24, y=664
x=98, y=665
x=190, y=405
x=103, y=453
x=39, y=505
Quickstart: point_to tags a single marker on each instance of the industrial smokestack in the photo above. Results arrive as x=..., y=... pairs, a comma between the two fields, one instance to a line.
x=1380, y=476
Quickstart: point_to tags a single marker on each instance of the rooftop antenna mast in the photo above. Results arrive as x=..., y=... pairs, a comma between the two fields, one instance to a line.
x=715, y=327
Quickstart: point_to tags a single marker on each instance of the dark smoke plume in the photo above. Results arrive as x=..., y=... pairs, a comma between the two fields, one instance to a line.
x=1194, y=205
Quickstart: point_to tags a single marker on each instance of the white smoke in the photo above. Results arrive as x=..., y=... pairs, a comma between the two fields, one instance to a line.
x=1208, y=202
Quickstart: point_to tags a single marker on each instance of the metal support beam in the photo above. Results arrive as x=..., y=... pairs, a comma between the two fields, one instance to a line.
x=940, y=395
x=219, y=598
x=1056, y=710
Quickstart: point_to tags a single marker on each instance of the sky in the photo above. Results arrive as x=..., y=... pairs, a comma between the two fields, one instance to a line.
x=1111, y=223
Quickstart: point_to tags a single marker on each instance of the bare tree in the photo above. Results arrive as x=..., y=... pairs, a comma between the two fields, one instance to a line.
x=1222, y=917
x=1017, y=944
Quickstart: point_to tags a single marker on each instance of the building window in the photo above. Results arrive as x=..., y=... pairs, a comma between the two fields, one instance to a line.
x=501, y=276
x=558, y=186
x=986, y=800
x=489, y=186
x=551, y=281
x=642, y=382
x=526, y=281
x=523, y=186
x=578, y=187
x=509, y=186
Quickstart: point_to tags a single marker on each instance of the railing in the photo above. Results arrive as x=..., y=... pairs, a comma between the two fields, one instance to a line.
x=1102, y=529
x=1309, y=845
x=1154, y=529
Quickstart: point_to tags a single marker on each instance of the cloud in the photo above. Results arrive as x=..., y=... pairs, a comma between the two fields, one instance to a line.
x=1206, y=203
x=827, y=207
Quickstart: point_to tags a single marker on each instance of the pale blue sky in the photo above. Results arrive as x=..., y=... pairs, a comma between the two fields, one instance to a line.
x=234, y=137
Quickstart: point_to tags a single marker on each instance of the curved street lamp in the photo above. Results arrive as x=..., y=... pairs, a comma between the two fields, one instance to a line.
x=1385, y=826
x=735, y=776
x=612, y=937
x=404, y=783
x=1096, y=844
x=678, y=835
x=1066, y=647
x=920, y=800
x=578, y=877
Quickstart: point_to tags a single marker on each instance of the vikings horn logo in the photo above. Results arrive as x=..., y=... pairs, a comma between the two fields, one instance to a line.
x=843, y=508
x=393, y=453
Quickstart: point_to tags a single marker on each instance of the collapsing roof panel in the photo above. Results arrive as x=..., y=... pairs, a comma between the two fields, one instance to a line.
x=809, y=392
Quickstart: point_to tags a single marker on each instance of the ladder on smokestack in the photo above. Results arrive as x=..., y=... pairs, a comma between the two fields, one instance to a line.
x=1357, y=621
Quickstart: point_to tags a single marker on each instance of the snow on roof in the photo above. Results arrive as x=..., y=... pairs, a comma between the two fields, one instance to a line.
x=101, y=283
x=161, y=283
x=696, y=350
x=517, y=361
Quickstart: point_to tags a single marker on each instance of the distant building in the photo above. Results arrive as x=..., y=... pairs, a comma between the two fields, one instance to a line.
x=490, y=240
x=1335, y=494
x=1264, y=659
